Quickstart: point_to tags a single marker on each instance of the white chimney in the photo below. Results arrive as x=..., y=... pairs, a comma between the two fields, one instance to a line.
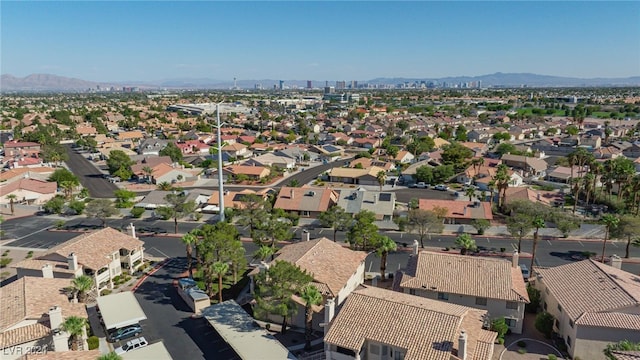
x=462, y=345
x=72, y=261
x=305, y=235
x=47, y=271
x=374, y=281
x=60, y=338
x=415, y=246
x=329, y=312
x=55, y=317
x=133, y=230
x=616, y=262
x=515, y=259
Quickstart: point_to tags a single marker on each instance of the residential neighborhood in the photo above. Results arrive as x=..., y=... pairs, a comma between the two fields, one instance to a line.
x=396, y=224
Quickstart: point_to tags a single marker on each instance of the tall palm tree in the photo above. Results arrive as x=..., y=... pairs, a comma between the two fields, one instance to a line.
x=219, y=268
x=470, y=192
x=587, y=186
x=538, y=223
x=12, y=198
x=74, y=326
x=610, y=222
x=82, y=285
x=382, y=177
x=311, y=297
x=189, y=240
x=384, y=246
x=502, y=179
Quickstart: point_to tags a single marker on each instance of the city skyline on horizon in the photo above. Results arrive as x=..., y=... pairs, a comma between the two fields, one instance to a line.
x=317, y=40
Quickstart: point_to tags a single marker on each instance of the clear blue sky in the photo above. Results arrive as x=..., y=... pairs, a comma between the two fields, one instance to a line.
x=318, y=40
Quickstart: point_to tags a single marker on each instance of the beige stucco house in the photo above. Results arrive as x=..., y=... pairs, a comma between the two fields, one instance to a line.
x=101, y=254
x=493, y=285
x=593, y=305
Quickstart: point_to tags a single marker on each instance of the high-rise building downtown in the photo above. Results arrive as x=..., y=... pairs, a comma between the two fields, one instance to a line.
x=309, y=84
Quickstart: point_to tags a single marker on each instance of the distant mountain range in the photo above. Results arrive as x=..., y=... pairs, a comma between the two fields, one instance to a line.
x=49, y=82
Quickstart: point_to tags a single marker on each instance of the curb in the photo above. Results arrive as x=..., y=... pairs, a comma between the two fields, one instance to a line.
x=155, y=268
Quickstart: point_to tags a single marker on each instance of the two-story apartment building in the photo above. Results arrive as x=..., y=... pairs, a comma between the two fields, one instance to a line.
x=494, y=285
x=379, y=324
x=101, y=254
x=337, y=271
x=593, y=305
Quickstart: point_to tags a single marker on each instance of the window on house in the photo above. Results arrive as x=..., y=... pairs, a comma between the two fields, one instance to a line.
x=443, y=296
x=571, y=323
x=481, y=301
x=544, y=306
x=385, y=351
x=512, y=305
x=374, y=349
x=305, y=213
x=412, y=291
x=398, y=355
x=546, y=290
x=569, y=341
x=559, y=308
x=510, y=322
x=345, y=351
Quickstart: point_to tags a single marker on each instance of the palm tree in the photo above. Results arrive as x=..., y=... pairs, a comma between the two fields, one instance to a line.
x=220, y=269
x=538, y=223
x=264, y=252
x=311, y=297
x=82, y=285
x=68, y=187
x=502, y=179
x=610, y=222
x=588, y=186
x=189, y=240
x=466, y=243
x=148, y=172
x=384, y=246
x=74, y=326
x=470, y=192
x=382, y=177
x=12, y=198
x=165, y=186
x=110, y=356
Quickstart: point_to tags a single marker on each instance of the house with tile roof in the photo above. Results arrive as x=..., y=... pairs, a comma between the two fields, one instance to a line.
x=38, y=173
x=233, y=199
x=376, y=323
x=493, y=285
x=305, y=201
x=531, y=166
x=243, y=171
x=336, y=270
x=593, y=304
x=29, y=191
x=102, y=254
x=459, y=212
x=32, y=310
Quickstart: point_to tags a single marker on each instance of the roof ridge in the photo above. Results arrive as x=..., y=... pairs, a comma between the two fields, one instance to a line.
x=391, y=299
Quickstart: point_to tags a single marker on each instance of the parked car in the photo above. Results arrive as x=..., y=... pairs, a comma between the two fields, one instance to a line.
x=125, y=333
x=441, y=187
x=132, y=345
x=422, y=185
x=525, y=272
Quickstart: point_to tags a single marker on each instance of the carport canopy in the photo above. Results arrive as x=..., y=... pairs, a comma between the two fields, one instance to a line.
x=120, y=310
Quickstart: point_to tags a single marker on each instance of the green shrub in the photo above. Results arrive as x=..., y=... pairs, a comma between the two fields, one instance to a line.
x=534, y=299
x=522, y=344
x=137, y=212
x=522, y=351
x=500, y=341
x=544, y=324
x=552, y=357
x=77, y=206
x=5, y=261
x=500, y=326
x=93, y=342
x=105, y=292
x=60, y=224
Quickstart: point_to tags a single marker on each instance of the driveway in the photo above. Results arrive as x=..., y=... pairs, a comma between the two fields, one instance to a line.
x=90, y=177
x=169, y=318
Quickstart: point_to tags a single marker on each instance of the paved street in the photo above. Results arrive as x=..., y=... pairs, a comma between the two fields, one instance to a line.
x=169, y=319
x=90, y=177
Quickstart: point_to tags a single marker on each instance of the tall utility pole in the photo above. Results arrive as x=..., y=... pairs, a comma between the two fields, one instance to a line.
x=220, y=182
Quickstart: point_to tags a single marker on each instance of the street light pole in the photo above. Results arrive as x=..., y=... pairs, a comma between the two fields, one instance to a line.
x=220, y=181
